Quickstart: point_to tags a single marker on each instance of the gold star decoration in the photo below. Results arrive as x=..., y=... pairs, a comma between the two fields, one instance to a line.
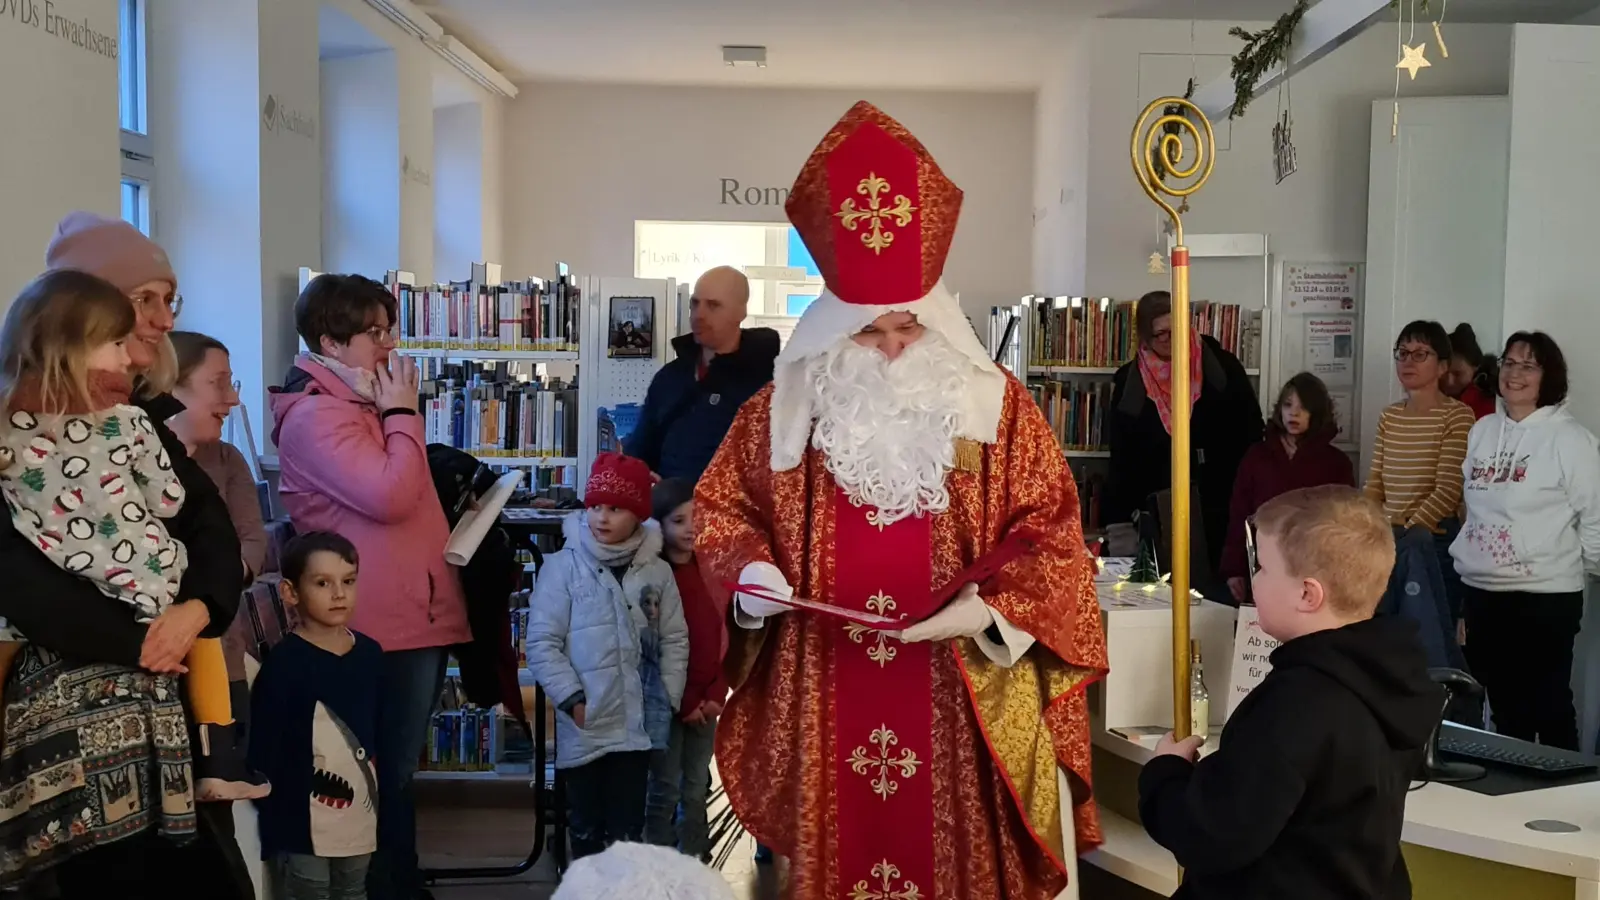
x=1413, y=60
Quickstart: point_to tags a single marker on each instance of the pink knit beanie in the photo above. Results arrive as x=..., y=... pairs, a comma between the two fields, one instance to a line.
x=108, y=248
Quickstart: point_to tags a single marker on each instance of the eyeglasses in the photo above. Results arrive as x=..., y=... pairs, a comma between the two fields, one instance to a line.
x=1519, y=366
x=1250, y=546
x=1401, y=354
x=379, y=334
x=174, y=304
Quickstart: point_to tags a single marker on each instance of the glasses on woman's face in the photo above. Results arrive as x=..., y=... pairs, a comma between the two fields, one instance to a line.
x=1519, y=366
x=1420, y=355
x=147, y=300
x=380, y=334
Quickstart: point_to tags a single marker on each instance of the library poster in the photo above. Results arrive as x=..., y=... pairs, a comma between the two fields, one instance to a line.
x=1320, y=288
x=632, y=328
x=1331, y=349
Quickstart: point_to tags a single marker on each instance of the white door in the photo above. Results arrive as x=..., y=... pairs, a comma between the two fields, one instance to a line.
x=1436, y=236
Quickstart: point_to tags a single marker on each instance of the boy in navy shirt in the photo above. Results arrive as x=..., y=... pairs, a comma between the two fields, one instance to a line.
x=315, y=704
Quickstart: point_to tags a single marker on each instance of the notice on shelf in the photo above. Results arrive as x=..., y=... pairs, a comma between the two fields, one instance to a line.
x=1343, y=403
x=1252, y=648
x=1321, y=288
x=1331, y=349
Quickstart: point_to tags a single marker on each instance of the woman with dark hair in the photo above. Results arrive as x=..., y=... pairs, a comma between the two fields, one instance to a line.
x=1416, y=456
x=205, y=388
x=1533, y=527
x=1225, y=420
x=1471, y=377
x=102, y=832
x=354, y=462
x=1298, y=453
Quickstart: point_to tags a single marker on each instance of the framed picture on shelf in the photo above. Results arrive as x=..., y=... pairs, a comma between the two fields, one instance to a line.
x=631, y=328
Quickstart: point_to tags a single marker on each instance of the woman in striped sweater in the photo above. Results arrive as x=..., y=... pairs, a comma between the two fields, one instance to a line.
x=1421, y=442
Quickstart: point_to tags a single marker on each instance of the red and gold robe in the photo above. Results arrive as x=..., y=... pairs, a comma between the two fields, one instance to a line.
x=893, y=771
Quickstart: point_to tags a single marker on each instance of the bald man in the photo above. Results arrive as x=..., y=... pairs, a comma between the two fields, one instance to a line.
x=692, y=401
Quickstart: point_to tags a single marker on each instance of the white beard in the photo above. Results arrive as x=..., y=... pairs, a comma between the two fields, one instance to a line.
x=887, y=429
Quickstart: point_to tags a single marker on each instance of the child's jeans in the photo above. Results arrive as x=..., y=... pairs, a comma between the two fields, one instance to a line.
x=605, y=801
x=681, y=773
x=300, y=877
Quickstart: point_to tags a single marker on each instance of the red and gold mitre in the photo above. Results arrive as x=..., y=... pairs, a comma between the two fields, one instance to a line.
x=875, y=211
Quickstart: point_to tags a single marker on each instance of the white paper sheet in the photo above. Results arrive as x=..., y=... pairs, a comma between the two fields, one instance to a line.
x=476, y=522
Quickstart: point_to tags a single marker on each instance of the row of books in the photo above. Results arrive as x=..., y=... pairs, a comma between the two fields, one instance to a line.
x=1099, y=332
x=1076, y=410
x=501, y=418
x=464, y=738
x=532, y=315
x=1091, y=493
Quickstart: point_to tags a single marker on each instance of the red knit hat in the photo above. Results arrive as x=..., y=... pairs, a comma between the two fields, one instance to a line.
x=620, y=481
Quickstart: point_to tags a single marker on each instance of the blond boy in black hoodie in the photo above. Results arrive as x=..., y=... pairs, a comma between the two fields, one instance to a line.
x=1305, y=796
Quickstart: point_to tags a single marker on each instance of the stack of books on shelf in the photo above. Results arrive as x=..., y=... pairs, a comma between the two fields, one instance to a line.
x=462, y=737
x=1099, y=332
x=524, y=316
x=493, y=413
x=1076, y=410
x=1091, y=490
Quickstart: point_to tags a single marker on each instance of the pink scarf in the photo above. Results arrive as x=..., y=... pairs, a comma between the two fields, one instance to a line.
x=1157, y=375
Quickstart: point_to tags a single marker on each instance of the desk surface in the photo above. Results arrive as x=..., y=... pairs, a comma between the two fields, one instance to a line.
x=1471, y=824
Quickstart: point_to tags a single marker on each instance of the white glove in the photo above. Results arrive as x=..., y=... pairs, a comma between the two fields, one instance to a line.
x=965, y=616
x=752, y=609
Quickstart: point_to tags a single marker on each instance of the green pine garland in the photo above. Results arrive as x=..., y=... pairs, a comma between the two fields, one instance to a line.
x=1262, y=50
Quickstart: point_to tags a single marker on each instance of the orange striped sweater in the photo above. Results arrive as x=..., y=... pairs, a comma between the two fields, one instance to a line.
x=1416, y=463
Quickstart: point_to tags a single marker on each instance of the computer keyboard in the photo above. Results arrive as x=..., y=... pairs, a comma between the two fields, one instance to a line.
x=1531, y=759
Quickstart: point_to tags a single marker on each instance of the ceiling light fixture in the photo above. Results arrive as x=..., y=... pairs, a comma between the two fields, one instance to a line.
x=753, y=57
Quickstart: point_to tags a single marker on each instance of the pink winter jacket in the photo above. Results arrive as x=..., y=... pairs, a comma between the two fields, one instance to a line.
x=343, y=469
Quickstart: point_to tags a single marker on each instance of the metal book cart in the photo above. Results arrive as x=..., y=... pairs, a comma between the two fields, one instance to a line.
x=549, y=796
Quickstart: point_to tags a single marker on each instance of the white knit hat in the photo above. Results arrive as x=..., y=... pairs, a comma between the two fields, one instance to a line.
x=641, y=872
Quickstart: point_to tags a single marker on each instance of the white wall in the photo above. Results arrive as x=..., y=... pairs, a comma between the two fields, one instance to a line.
x=62, y=153
x=1319, y=213
x=458, y=145
x=1061, y=172
x=584, y=162
x=361, y=164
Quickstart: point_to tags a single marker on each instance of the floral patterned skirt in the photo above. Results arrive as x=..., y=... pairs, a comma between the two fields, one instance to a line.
x=93, y=754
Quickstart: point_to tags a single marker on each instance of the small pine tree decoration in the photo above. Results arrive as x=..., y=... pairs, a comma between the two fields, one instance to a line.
x=140, y=478
x=33, y=478
x=1145, y=570
x=107, y=526
x=111, y=427
x=153, y=564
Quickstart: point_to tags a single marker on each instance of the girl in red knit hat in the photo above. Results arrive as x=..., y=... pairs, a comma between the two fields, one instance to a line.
x=599, y=607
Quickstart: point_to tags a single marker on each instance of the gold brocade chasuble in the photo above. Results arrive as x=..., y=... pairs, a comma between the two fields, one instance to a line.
x=893, y=771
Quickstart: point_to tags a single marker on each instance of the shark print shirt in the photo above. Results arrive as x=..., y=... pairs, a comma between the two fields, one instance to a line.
x=314, y=724
x=90, y=492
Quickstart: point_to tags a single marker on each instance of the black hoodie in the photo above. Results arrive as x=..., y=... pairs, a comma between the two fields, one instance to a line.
x=685, y=417
x=1305, y=796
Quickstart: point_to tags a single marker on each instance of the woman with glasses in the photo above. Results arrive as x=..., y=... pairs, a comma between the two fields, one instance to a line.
x=1533, y=528
x=127, y=822
x=1416, y=456
x=353, y=461
x=1225, y=421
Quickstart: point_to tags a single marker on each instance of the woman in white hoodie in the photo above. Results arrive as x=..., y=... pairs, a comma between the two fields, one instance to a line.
x=1533, y=526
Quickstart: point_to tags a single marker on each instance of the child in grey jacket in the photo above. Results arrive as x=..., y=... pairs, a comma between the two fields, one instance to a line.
x=587, y=626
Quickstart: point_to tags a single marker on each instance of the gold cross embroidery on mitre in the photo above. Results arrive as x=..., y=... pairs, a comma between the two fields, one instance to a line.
x=880, y=652
x=886, y=764
x=875, y=212
x=885, y=875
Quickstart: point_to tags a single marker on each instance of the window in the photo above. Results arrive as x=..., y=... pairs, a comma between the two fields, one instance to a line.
x=136, y=204
x=138, y=159
x=130, y=63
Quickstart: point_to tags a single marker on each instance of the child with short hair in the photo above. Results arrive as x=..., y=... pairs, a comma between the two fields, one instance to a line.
x=87, y=481
x=586, y=627
x=314, y=722
x=681, y=771
x=1305, y=795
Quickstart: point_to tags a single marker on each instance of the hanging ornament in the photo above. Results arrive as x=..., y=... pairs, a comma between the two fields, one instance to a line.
x=1438, y=30
x=1158, y=264
x=1284, y=159
x=1411, y=59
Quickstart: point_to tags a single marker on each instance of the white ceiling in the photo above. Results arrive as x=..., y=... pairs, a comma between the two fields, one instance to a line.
x=930, y=44
x=338, y=35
